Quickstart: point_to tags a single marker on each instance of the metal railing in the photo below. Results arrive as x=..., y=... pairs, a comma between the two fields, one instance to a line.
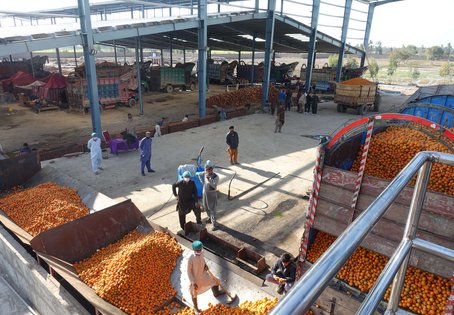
x=316, y=279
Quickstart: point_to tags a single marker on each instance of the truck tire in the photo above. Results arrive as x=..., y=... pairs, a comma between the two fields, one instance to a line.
x=341, y=108
x=192, y=86
x=361, y=109
x=169, y=88
x=132, y=102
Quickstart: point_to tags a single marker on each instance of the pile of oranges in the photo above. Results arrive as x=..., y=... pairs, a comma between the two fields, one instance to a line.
x=391, y=150
x=133, y=273
x=423, y=292
x=259, y=307
x=43, y=207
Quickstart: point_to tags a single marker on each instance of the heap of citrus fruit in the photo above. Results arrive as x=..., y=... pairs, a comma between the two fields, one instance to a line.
x=43, y=207
x=391, y=150
x=423, y=292
x=133, y=273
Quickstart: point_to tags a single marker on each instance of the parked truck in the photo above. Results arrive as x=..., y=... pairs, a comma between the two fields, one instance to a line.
x=338, y=197
x=113, y=90
x=169, y=78
x=222, y=72
x=359, y=94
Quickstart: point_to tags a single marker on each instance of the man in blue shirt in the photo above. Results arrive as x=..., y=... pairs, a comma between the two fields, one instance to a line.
x=145, y=153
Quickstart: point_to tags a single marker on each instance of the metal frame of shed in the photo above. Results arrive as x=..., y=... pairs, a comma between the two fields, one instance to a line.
x=202, y=32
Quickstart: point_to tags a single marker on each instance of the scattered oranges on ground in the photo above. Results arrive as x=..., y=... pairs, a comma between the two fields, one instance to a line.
x=423, y=292
x=43, y=207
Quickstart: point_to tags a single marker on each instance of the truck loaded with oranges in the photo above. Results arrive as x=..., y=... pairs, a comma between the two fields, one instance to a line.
x=380, y=147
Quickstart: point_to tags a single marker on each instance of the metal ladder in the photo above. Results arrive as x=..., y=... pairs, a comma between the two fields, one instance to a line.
x=316, y=279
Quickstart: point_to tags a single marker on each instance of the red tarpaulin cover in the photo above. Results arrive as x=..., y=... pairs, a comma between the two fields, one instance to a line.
x=20, y=78
x=56, y=81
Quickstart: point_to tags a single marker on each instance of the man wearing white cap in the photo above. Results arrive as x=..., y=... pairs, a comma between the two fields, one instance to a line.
x=94, y=145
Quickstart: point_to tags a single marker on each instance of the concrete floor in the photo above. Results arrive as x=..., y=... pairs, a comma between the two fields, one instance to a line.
x=269, y=217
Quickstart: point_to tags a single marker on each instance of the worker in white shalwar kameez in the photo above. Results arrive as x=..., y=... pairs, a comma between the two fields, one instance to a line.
x=200, y=280
x=210, y=182
x=94, y=145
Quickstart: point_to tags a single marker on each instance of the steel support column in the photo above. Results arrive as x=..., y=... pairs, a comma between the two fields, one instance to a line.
x=282, y=7
x=201, y=66
x=239, y=60
x=192, y=7
x=269, y=37
x=57, y=51
x=90, y=67
x=347, y=11
x=171, y=51
x=184, y=55
x=31, y=63
x=141, y=54
x=75, y=55
x=312, y=42
x=253, y=58
x=370, y=15
x=257, y=6
x=139, y=85
x=162, y=57
x=115, y=53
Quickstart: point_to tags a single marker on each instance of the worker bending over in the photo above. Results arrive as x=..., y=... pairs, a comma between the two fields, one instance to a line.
x=200, y=279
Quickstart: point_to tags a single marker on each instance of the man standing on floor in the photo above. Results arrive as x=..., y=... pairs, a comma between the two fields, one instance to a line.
x=187, y=199
x=199, y=278
x=145, y=153
x=210, y=182
x=94, y=145
x=130, y=135
x=233, y=141
x=314, y=103
x=307, y=105
x=280, y=118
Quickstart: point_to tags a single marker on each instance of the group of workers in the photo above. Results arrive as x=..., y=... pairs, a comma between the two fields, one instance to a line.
x=283, y=272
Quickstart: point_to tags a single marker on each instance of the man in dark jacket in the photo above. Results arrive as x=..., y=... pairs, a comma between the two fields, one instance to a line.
x=232, y=141
x=187, y=199
x=314, y=103
x=283, y=273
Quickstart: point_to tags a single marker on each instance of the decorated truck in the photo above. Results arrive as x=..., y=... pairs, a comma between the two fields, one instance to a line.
x=353, y=167
x=113, y=90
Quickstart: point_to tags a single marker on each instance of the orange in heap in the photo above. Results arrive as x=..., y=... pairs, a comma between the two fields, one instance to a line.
x=391, y=150
x=423, y=292
x=43, y=207
x=133, y=273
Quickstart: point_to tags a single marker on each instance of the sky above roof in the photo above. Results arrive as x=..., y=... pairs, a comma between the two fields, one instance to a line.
x=408, y=22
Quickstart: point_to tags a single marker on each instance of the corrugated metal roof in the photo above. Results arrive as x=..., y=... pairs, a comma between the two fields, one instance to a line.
x=224, y=32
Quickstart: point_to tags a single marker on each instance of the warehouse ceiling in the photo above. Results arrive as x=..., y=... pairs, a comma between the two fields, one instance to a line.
x=229, y=31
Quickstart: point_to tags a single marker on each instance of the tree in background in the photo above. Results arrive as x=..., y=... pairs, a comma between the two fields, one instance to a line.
x=446, y=70
x=434, y=53
x=378, y=48
x=415, y=74
x=351, y=62
x=333, y=60
x=448, y=50
x=373, y=68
